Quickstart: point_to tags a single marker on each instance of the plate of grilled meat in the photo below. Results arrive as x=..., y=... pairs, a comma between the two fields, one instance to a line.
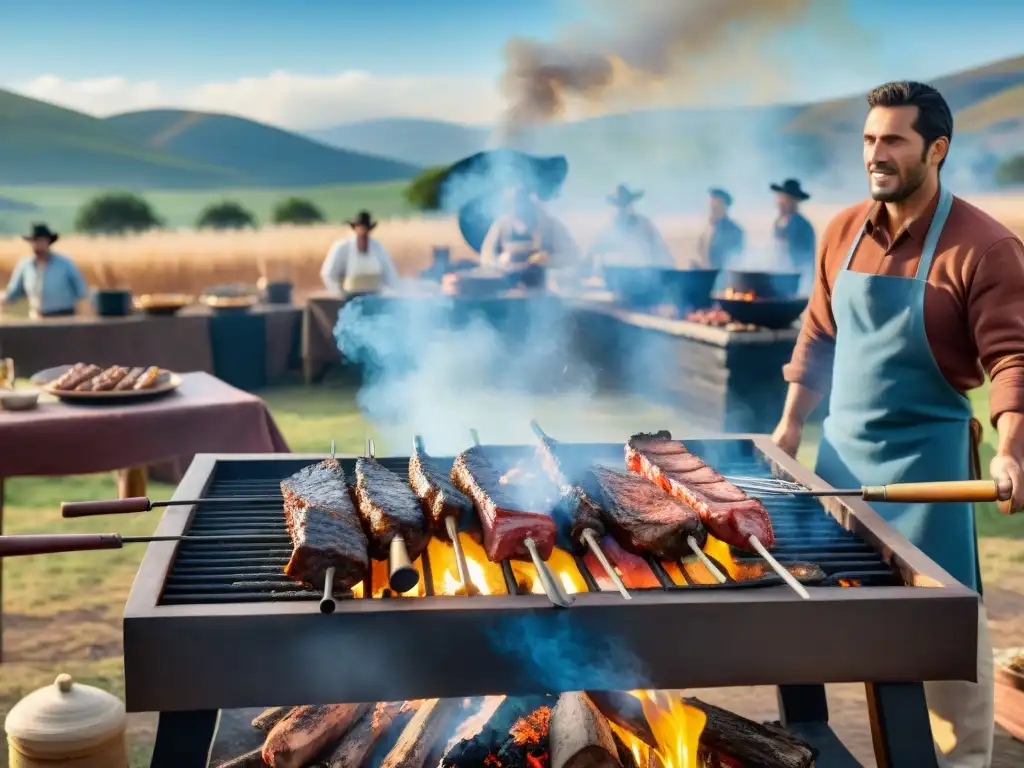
x=85, y=382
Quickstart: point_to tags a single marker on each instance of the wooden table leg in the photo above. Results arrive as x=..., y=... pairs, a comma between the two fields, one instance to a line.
x=131, y=482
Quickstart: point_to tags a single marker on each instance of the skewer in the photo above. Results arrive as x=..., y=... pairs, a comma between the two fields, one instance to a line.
x=451, y=525
x=785, y=575
x=402, y=575
x=552, y=589
x=589, y=537
x=327, y=602
x=705, y=560
x=144, y=504
x=49, y=544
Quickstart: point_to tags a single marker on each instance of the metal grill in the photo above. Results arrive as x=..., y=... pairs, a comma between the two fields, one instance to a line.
x=211, y=573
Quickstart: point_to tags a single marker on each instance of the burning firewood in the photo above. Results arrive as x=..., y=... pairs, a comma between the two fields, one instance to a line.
x=307, y=731
x=420, y=739
x=366, y=733
x=580, y=736
x=268, y=718
x=728, y=739
x=252, y=759
x=626, y=711
x=510, y=725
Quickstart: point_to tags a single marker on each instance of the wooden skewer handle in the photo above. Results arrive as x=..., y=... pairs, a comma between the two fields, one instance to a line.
x=105, y=507
x=966, y=490
x=19, y=546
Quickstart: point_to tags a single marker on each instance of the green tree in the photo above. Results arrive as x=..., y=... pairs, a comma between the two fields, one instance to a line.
x=1010, y=172
x=297, y=210
x=225, y=215
x=424, y=191
x=115, y=213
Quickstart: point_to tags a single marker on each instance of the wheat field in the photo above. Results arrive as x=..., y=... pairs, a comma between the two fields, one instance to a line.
x=188, y=261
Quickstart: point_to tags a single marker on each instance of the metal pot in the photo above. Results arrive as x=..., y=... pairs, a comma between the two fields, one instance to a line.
x=776, y=314
x=110, y=303
x=688, y=289
x=278, y=292
x=764, y=285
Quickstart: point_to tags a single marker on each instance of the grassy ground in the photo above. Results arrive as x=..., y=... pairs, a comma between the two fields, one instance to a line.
x=57, y=205
x=63, y=613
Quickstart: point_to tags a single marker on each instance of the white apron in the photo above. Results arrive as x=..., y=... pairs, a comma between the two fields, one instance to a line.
x=363, y=272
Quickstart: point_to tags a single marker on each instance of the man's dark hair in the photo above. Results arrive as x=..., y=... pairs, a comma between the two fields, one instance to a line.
x=934, y=118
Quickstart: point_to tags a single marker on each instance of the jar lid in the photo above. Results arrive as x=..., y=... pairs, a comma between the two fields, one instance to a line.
x=65, y=714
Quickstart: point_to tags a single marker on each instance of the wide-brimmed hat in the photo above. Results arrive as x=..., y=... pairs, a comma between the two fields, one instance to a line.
x=623, y=196
x=363, y=219
x=721, y=194
x=792, y=188
x=41, y=231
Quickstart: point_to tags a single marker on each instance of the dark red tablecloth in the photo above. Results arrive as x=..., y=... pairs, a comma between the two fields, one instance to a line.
x=204, y=416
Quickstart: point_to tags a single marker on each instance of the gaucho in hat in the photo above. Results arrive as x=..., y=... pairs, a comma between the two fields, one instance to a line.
x=794, y=235
x=630, y=238
x=359, y=263
x=52, y=283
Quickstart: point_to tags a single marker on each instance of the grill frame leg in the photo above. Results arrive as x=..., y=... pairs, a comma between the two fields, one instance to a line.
x=900, y=729
x=802, y=704
x=184, y=739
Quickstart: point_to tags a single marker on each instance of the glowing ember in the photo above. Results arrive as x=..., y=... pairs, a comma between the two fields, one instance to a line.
x=732, y=295
x=484, y=575
x=531, y=728
x=561, y=564
x=676, y=726
x=849, y=582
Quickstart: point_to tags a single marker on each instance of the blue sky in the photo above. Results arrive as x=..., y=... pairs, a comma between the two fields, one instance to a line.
x=415, y=55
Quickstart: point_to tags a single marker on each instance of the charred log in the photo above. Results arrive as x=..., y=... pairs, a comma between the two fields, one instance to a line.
x=268, y=718
x=729, y=740
x=253, y=759
x=625, y=754
x=580, y=736
x=626, y=711
x=307, y=731
x=475, y=750
x=366, y=733
x=422, y=738
x=527, y=745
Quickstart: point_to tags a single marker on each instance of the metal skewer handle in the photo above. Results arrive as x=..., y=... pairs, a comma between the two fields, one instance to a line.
x=948, y=491
x=51, y=544
x=144, y=504
x=705, y=560
x=402, y=575
x=452, y=526
x=327, y=604
x=779, y=568
x=551, y=587
x=595, y=546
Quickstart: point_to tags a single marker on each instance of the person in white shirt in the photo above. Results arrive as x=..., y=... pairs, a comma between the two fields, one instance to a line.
x=358, y=264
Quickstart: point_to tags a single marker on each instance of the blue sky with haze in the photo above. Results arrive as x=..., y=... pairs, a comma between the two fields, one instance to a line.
x=313, y=62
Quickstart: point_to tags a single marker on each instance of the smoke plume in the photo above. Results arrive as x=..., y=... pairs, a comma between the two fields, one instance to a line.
x=633, y=50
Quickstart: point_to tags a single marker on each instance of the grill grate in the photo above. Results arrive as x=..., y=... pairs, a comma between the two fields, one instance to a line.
x=208, y=572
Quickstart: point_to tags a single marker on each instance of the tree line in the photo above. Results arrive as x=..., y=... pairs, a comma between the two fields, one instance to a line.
x=121, y=212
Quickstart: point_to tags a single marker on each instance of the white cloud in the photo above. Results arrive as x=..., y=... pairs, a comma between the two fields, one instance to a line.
x=282, y=98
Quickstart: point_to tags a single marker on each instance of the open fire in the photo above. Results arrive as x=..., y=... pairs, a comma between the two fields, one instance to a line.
x=645, y=729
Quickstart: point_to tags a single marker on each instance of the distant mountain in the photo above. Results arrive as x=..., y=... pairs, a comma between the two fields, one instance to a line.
x=261, y=155
x=44, y=144
x=419, y=142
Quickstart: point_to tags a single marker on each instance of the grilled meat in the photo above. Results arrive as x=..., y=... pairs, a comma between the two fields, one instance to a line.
x=633, y=569
x=644, y=519
x=584, y=513
x=434, y=488
x=509, y=513
x=94, y=384
x=324, y=527
x=63, y=381
x=728, y=513
x=128, y=382
x=388, y=507
x=149, y=378
x=82, y=375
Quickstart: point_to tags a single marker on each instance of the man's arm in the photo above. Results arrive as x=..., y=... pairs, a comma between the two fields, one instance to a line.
x=995, y=305
x=333, y=270
x=16, y=285
x=77, y=281
x=490, y=250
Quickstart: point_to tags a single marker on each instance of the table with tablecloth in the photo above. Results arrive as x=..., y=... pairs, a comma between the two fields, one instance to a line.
x=205, y=415
x=249, y=350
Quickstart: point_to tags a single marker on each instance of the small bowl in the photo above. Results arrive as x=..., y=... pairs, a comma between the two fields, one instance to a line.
x=19, y=399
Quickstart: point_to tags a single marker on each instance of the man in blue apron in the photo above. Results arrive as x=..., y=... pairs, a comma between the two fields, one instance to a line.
x=917, y=297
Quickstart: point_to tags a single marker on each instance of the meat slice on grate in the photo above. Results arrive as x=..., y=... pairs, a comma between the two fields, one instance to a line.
x=388, y=508
x=644, y=519
x=729, y=514
x=324, y=527
x=434, y=488
x=509, y=513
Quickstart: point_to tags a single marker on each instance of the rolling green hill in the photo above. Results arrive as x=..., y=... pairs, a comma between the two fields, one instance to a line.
x=263, y=156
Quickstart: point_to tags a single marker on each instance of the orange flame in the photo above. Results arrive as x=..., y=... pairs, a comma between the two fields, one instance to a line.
x=562, y=565
x=676, y=727
x=729, y=293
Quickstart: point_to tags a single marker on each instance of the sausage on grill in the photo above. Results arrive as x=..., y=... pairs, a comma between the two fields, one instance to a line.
x=128, y=382
x=434, y=488
x=82, y=375
x=644, y=519
x=729, y=514
x=63, y=381
x=388, y=507
x=149, y=378
x=509, y=514
x=324, y=527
